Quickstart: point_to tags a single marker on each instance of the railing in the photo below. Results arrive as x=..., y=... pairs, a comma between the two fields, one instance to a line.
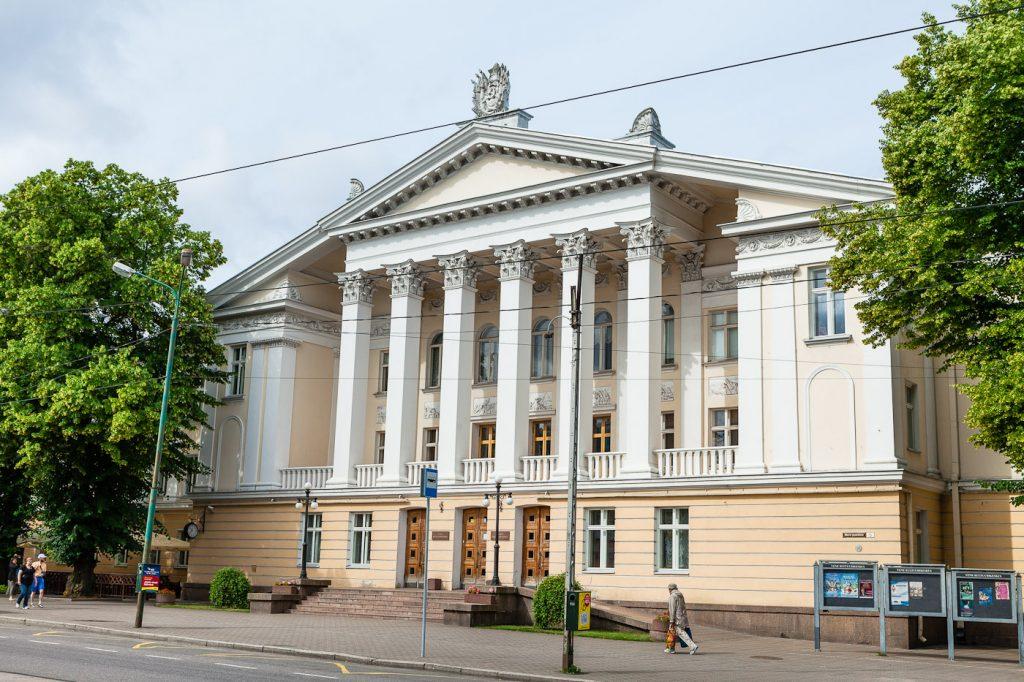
x=477, y=470
x=295, y=478
x=414, y=471
x=694, y=463
x=538, y=468
x=367, y=475
x=603, y=465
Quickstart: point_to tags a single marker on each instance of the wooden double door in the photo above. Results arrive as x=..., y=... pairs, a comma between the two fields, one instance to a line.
x=414, y=539
x=536, y=544
x=474, y=546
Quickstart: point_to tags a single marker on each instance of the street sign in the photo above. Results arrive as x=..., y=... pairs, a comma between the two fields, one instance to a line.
x=428, y=483
x=149, y=577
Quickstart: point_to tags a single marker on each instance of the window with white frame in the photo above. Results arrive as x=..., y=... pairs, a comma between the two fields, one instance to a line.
x=673, y=539
x=378, y=447
x=725, y=427
x=724, y=337
x=236, y=371
x=430, y=445
x=383, y=365
x=487, y=355
x=542, y=349
x=827, y=307
x=154, y=556
x=312, y=531
x=913, y=425
x=602, y=341
x=360, y=529
x=121, y=558
x=668, y=430
x=600, y=539
x=434, y=361
x=668, y=334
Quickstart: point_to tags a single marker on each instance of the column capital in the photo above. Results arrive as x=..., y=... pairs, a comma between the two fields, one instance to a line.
x=516, y=260
x=356, y=286
x=690, y=263
x=460, y=270
x=745, y=280
x=779, y=275
x=644, y=238
x=406, y=279
x=575, y=244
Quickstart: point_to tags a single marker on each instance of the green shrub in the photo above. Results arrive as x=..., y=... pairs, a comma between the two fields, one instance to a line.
x=549, y=601
x=229, y=589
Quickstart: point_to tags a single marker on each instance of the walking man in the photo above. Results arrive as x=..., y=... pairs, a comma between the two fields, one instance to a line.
x=678, y=620
x=39, y=586
x=26, y=578
x=12, y=577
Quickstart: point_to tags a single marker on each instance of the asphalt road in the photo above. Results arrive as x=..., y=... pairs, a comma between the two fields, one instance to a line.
x=68, y=655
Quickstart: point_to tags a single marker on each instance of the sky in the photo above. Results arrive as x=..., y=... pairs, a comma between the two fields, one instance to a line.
x=171, y=89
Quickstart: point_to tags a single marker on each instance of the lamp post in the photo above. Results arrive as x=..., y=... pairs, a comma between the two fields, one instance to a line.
x=498, y=503
x=128, y=271
x=570, y=528
x=305, y=503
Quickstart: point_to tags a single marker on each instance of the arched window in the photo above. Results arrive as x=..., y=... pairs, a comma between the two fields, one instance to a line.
x=668, y=334
x=542, y=349
x=602, y=341
x=487, y=355
x=434, y=361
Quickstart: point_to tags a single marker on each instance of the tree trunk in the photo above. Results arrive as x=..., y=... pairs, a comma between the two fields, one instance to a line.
x=82, y=581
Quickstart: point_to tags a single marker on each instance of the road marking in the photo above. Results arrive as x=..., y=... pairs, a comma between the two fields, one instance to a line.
x=158, y=645
x=94, y=648
x=169, y=658
x=232, y=665
x=59, y=633
x=326, y=677
x=343, y=669
x=346, y=671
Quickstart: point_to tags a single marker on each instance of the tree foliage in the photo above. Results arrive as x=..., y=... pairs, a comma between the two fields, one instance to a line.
x=83, y=356
x=939, y=276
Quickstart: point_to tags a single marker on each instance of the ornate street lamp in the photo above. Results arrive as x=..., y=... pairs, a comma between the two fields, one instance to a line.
x=304, y=504
x=499, y=503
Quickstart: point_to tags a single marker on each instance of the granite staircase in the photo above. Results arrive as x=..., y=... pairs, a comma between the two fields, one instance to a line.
x=393, y=604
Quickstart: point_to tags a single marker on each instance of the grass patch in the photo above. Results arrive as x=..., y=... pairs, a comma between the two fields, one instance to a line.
x=198, y=607
x=595, y=634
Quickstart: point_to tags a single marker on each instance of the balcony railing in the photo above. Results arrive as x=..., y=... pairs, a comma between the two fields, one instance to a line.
x=601, y=466
x=294, y=478
x=477, y=470
x=695, y=463
x=367, y=475
x=538, y=468
x=414, y=471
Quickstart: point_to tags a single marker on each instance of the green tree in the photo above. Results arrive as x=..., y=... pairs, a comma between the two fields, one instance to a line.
x=940, y=277
x=83, y=351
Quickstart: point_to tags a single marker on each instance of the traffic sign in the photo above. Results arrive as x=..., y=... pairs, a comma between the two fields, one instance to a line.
x=428, y=483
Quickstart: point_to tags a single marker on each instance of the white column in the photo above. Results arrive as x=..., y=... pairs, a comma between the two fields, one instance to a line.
x=644, y=248
x=278, y=398
x=353, y=384
x=515, y=319
x=931, y=434
x=454, y=436
x=779, y=352
x=691, y=353
x=621, y=357
x=880, y=415
x=403, y=372
x=573, y=246
x=750, y=454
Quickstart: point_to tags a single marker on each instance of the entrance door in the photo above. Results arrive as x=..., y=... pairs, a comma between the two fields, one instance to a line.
x=474, y=547
x=414, y=547
x=536, y=544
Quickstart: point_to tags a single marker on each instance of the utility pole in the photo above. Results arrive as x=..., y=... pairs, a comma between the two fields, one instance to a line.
x=570, y=534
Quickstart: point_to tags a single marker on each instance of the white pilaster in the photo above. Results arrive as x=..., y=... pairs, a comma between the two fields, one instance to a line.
x=275, y=359
x=931, y=434
x=353, y=361
x=574, y=246
x=515, y=319
x=403, y=375
x=880, y=408
x=691, y=353
x=645, y=246
x=782, y=447
x=454, y=437
x=621, y=357
x=750, y=454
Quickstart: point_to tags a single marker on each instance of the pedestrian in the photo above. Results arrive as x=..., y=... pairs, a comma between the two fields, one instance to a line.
x=12, y=577
x=26, y=578
x=39, y=586
x=679, y=623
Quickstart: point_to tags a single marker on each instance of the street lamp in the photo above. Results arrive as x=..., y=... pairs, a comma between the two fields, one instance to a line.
x=498, y=503
x=128, y=271
x=305, y=504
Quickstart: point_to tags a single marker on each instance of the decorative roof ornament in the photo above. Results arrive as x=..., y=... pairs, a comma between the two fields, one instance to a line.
x=746, y=210
x=355, y=189
x=490, y=91
x=646, y=130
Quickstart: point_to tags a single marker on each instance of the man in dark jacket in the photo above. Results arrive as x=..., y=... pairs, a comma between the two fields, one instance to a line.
x=12, y=577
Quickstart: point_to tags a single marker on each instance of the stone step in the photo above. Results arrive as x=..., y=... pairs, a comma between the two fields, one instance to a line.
x=388, y=604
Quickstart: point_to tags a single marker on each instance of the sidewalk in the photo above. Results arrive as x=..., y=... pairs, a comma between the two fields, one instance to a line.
x=723, y=654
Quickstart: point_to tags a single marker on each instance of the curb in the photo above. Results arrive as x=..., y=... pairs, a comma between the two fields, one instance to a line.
x=289, y=651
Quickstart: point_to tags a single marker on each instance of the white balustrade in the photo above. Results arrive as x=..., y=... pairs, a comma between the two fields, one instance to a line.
x=294, y=478
x=367, y=475
x=603, y=465
x=538, y=468
x=414, y=471
x=695, y=463
x=477, y=470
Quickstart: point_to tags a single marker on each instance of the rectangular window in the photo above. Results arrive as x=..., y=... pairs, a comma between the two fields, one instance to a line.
x=540, y=434
x=922, y=553
x=485, y=441
x=724, y=343
x=725, y=428
x=154, y=556
x=673, y=539
x=359, y=539
x=600, y=539
x=668, y=430
x=181, y=559
x=382, y=371
x=430, y=445
x=602, y=433
x=236, y=371
x=827, y=307
x=913, y=427
x=378, y=447
x=312, y=531
x=121, y=558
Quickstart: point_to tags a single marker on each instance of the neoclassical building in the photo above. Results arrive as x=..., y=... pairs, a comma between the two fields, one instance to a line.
x=734, y=426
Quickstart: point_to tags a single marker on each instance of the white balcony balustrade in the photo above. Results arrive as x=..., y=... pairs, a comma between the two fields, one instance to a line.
x=477, y=470
x=367, y=475
x=414, y=471
x=696, y=463
x=601, y=466
x=538, y=468
x=295, y=478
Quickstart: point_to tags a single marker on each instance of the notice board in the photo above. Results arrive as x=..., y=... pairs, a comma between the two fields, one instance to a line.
x=984, y=596
x=848, y=585
x=914, y=590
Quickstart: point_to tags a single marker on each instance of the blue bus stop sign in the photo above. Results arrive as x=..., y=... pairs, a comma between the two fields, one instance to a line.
x=428, y=483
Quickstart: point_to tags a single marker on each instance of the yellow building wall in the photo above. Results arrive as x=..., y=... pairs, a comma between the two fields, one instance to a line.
x=993, y=531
